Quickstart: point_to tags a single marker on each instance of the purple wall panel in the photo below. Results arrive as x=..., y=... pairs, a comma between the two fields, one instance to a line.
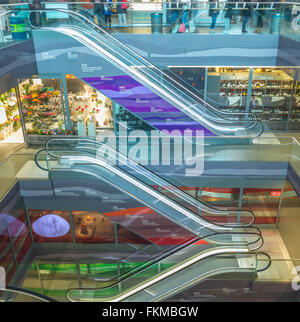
x=141, y=101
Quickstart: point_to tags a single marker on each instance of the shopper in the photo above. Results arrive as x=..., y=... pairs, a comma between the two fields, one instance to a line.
x=228, y=16
x=175, y=13
x=185, y=4
x=213, y=13
x=246, y=14
x=108, y=13
x=121, y=11
x=260, y=17
x=35, y=17
x=253, y=103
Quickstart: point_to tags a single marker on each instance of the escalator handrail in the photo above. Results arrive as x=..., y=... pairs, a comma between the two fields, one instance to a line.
x=260, y=238
x=208, y=225
x=269, y=261
x=188, y=197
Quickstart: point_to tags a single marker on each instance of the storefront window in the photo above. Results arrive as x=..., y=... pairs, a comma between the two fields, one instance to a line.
x=221, y=197
x=92, y=227
x=295, y=113
x=271, y=92
x=10, y=124
x=86, y=104
x=227, y=88
x=42, y=106
x=19, y=232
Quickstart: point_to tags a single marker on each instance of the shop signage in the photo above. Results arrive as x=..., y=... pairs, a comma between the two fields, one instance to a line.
x=90, y=69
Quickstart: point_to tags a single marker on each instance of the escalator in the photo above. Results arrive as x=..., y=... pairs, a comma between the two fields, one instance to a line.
x=213, y=249
x=177, y=106
x=85, y=157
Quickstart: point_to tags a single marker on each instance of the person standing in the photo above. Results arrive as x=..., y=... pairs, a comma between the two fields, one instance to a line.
x=108, y=13
x=35, y=16
x=121, y=11
x=260, y=17
x=228, y=17
x=246, y=14
x=213, y=13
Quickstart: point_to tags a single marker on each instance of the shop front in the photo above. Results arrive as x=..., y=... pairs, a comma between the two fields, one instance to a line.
x=52, y=107
x=270, y=93
x=43, y=107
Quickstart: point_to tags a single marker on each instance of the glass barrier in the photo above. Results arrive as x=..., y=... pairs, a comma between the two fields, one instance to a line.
x=14, y=28
x=191, y=16
x=152, y=283
x=171, y=179
x=168, y=17
x=14, y=168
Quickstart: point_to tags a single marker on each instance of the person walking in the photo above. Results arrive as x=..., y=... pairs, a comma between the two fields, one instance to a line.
x=213, y=13
x=228, y=16
x=108, y=13
x=122, y=11
x=246, y=14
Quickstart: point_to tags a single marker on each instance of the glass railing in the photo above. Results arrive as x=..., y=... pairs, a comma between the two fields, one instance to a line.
x=193, y=16
x=177, y=17
x=148, y=177
x=12, y=170
x=167, y=207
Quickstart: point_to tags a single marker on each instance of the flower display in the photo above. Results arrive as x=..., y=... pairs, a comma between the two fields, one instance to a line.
x=49, y=132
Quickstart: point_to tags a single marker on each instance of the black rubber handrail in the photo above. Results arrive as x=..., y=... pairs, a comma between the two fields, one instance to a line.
x=269, y=261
